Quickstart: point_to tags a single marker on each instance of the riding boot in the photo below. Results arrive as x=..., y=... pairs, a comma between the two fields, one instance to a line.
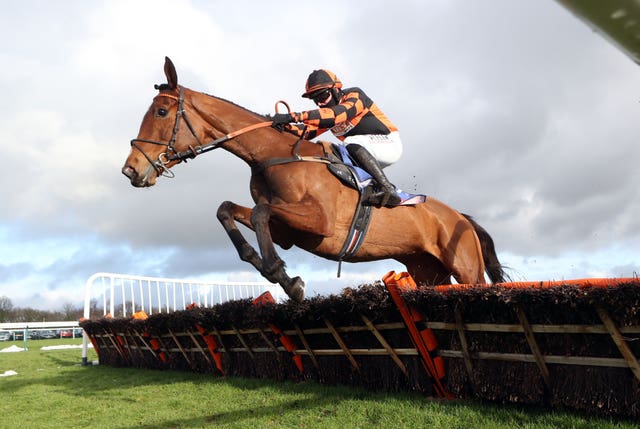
x=387, y=195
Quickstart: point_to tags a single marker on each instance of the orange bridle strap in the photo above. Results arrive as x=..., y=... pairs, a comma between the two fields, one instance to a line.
x=200, y=149
x=164, y=94
x=247, y=129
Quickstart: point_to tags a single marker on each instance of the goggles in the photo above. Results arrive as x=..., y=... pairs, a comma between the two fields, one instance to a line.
x=321, y=96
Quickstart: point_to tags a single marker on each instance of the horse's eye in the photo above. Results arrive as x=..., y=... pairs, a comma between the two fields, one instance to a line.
x=161, y=112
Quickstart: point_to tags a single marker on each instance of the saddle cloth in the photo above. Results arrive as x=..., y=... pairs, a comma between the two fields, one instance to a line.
x=362, y=179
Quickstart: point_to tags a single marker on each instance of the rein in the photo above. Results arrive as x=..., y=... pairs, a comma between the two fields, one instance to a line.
x=202, y=148
x=171, y=154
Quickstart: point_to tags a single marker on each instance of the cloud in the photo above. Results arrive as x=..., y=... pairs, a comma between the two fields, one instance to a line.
x=515, y=113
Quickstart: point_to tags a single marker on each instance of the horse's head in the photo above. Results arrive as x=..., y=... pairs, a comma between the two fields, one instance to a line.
x=160, y=137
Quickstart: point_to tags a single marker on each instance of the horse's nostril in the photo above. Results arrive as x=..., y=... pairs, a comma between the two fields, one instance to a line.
x=129, y=171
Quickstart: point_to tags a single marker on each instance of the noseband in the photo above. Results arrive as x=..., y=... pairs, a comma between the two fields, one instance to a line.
x=171, y=154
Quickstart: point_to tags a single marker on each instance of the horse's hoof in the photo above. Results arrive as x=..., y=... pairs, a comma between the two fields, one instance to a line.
x=295, y=289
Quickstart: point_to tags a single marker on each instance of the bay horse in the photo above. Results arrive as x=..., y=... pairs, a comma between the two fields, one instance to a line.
x=298, y=201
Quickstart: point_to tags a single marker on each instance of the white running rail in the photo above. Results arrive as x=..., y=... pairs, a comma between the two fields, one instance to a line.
x=122, y=295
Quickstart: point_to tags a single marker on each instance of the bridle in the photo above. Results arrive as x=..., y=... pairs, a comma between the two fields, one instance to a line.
x=171, y=154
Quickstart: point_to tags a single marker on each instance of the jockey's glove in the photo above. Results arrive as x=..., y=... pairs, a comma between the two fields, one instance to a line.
x=280, y=120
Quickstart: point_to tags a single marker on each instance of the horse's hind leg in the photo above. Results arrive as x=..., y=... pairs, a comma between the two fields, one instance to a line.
x=426, y=269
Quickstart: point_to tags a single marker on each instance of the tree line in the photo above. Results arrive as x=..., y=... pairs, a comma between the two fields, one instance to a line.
x=69, y=312
x=9, y=313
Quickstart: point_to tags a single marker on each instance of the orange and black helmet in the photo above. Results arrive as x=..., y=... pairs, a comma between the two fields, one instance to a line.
x=320, y=80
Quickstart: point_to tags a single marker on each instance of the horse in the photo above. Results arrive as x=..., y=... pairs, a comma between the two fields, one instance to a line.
x=298, y=201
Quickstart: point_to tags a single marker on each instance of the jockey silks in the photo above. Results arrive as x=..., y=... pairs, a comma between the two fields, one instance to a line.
x=356, y=114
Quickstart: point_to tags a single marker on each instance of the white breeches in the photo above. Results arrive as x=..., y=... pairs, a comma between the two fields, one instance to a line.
x=387, y=149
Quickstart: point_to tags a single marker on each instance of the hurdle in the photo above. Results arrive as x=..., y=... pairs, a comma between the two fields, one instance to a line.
x=569, y=344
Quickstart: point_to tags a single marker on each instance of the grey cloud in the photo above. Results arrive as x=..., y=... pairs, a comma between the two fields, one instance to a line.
x=514, y=112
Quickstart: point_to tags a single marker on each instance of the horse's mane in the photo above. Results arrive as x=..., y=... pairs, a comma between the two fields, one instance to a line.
x=165, y=87
x=261, y=116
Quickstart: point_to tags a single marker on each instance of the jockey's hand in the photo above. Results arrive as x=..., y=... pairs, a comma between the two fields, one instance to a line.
x=280, y=120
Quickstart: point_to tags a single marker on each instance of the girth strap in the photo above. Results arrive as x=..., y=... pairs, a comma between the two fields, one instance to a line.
x=358, y=230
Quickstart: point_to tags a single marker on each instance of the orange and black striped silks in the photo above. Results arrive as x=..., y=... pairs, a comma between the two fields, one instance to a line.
x=355, y=114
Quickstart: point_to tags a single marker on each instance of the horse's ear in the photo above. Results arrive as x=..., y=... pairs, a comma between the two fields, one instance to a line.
x=170, y=73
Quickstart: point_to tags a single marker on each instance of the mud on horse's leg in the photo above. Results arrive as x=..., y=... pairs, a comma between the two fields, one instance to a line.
x=272, y=265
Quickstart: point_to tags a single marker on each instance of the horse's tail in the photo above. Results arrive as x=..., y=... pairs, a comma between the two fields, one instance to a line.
x=492, y=265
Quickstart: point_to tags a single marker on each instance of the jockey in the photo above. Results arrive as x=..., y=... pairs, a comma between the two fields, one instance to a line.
x=370, y=138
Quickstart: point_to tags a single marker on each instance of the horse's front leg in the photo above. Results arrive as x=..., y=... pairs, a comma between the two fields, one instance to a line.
x=273, y=270
x=271, y=262
x=228, y=213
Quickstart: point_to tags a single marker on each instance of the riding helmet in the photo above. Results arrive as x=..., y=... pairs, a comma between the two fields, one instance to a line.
x=319, y=80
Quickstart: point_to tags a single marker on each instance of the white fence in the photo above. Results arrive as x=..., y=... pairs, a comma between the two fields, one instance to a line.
x=18, y=326
x=122, y=295
x=29, y=330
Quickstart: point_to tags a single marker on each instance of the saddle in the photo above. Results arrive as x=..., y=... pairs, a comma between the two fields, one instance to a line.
x=341, y=165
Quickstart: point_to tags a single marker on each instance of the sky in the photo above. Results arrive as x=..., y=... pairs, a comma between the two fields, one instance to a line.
x=514, y=112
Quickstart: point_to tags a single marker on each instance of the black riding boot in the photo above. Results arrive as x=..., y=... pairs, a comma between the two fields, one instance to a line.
x=387, y=195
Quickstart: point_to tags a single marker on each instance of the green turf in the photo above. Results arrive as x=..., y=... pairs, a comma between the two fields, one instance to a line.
x=52, y=390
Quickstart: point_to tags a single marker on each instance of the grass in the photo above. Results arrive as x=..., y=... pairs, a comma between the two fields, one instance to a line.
x=52, y=390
